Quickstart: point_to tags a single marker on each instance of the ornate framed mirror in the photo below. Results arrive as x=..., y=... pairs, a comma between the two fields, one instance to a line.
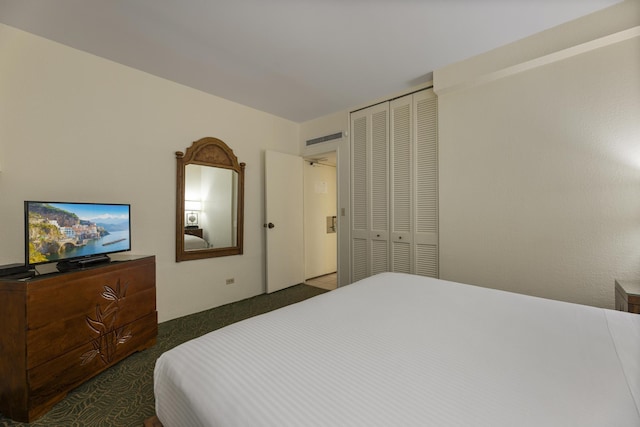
x=210, y=201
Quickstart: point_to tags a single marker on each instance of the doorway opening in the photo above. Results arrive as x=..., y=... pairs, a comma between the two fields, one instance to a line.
x=321, y=220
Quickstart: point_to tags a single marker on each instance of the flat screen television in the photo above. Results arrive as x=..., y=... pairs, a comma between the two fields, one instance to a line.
x=75, y=235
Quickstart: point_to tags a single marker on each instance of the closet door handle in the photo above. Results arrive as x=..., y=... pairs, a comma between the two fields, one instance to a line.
x=270, y=225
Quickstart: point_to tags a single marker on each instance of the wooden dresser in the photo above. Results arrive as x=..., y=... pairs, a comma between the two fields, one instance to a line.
x=61, y=329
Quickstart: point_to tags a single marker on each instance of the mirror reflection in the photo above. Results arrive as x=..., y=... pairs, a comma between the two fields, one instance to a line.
x=210, y=201
x=211, y=207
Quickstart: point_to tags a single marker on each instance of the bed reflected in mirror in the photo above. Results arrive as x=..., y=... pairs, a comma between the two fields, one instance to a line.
x=209, y=216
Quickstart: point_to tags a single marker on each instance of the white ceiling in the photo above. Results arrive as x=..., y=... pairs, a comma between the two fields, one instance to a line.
x=297, y=59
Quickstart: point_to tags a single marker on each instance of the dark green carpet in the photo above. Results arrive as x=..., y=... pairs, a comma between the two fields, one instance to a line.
x=123, y=395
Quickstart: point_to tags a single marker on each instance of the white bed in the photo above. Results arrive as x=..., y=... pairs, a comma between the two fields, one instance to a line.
x=402, y=350
x=192, y=242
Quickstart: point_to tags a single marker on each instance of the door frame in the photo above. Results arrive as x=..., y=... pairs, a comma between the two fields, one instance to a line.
x=343, y=202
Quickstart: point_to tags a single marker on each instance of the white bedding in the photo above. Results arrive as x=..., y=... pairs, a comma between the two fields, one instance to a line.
x=194, y=242
x=401, y=350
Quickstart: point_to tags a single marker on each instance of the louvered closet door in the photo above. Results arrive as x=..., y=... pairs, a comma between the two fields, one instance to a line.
x=414, y=173
x=401, y=154
x=395, y=187
x=425, y=196
x=370, y=191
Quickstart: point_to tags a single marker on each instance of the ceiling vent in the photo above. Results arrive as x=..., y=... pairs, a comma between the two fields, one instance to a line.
x=325, y=138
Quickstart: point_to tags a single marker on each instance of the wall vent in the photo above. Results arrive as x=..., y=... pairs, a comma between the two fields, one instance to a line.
x=325, y=138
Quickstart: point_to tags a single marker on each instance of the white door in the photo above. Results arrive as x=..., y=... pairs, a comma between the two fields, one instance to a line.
x=284, y=220
x=401, y=201
x=370, y=191
x=394, y=187
x=425, y=237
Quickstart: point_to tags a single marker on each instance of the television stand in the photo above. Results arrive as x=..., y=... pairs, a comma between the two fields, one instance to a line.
x=64, y=266
x=60, y=329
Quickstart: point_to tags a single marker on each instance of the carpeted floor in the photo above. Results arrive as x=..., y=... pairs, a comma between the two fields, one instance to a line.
x=122, y=396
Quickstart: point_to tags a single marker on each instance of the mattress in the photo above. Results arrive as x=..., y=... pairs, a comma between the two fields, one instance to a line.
x=403, y=350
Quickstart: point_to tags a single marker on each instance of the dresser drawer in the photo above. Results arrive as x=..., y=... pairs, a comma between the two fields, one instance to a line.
x=50, y=381
x=59, y=336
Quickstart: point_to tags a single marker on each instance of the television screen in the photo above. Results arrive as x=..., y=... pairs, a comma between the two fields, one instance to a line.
x=64, y=231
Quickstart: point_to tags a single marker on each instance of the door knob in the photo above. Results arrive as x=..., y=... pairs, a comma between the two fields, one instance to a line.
x=270, y=225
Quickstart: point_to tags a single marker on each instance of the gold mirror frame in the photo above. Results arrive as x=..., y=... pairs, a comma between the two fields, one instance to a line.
x=212, y=152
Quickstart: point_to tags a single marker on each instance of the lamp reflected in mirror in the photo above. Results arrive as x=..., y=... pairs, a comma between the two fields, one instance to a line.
x=192, y=209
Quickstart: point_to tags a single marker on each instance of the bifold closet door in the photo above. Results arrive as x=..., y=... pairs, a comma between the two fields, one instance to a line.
x=425, y=177
x=401, y=185
x=395, y=187
x=414, y=184
x=370, y=191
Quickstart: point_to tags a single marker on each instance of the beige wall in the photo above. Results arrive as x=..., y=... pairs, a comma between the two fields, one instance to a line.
x=75, y=127
x=540, y=161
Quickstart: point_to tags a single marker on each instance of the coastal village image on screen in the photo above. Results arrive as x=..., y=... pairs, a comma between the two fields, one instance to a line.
x=67, y=230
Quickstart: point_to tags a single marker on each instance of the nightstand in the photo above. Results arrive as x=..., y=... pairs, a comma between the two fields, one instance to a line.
x=628, y=295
